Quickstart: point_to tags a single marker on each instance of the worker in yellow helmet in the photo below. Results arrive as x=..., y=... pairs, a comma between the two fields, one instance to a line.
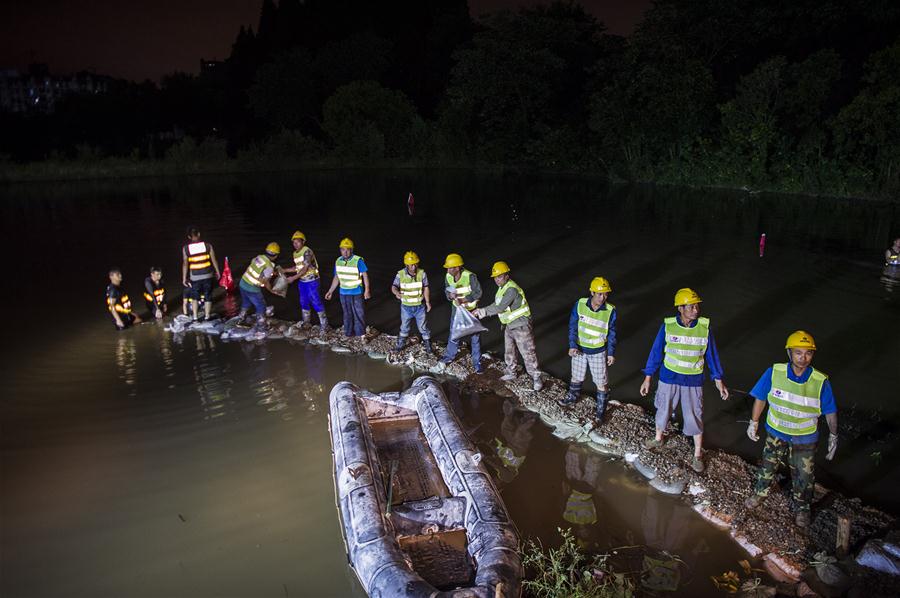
x=352, y=275
x=797, y=394
x=199, y=272
x=306, y=270
x=683, y=346
x=592, y=342
x=511, y=307
x=257, y=277
x=410, y=287
x=463, y=290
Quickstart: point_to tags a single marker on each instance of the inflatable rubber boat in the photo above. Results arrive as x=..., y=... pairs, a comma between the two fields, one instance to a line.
x=420, y=514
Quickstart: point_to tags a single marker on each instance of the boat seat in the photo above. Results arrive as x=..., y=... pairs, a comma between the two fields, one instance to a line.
x=431, y=515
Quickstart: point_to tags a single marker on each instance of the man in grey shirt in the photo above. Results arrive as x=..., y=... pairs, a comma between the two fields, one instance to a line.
x=511, y=307
x=463, y=291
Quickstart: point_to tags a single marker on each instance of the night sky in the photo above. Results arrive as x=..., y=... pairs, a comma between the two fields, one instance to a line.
x=145, y=39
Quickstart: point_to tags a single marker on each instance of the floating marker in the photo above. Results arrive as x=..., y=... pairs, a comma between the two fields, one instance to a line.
x=411, y=204
x=762, y=244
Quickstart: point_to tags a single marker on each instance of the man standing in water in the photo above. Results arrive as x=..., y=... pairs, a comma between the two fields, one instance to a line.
x=410, y=286
x=257, y=276
x=199, y=269
x=592, y=342
x=155, y=293
x=892, y=254
x=118, y=303
x=511, y=307
x=463, y=291
x=352, y=274
x=683, y=345
x=797, y=395
x=306, y=270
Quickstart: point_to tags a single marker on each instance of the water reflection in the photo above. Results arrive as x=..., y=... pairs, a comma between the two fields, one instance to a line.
x=511, y=445
x=890, y=280
x=126, y=361
x=210, y=381
x=580, y=489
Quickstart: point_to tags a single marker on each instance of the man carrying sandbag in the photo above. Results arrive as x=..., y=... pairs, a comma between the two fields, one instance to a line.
x=463, y=291
x=258, y=276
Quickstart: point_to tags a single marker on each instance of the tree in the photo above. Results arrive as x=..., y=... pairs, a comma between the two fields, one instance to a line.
x=283, y=93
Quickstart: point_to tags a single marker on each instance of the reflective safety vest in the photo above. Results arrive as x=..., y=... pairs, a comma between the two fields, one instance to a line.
x=348, y=272
x=795, y=408
x=411, y=289
x=510, y=314
x=159, y=293
x=580, y=508
x=510, y=459
x=685, y=347
x=199, y=260
x=306, y=257
x=593, y=326
x=462, y=287
x=893, y=259
x=254, y=273
x=123, y=303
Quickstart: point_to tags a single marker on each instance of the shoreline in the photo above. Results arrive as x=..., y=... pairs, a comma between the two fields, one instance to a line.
x=717, y=495
x=124, y=168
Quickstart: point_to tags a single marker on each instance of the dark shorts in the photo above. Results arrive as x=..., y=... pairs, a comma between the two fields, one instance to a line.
x=199, y=288
x=127, y=320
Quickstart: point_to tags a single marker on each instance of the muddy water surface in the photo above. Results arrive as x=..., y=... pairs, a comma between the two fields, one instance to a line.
x=141, y=464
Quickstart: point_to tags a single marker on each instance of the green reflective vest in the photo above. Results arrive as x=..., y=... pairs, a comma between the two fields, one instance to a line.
x=893, y=259
x=306, y=257
x=685, y=347
x=580, y=508
x=510, y=459
x=348, y=272
x=593, y=326
x=411, y=288
x=794, y=408
x=462, y=287
x=510, y=314
x=253, y=275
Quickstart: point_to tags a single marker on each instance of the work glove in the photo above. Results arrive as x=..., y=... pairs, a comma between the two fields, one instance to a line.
x=479, y=313
x=832, y=447
x=752, y=428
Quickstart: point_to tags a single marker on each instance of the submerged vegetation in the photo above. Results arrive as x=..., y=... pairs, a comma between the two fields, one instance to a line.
x=797, y=97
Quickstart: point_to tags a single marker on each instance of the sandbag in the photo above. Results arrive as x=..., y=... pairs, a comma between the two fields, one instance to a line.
x=464, y=324
x=280, y=286
x=880, y=555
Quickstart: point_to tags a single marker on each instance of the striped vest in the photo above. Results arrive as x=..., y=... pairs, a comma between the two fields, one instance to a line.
x=348, y=272
x=411, y=289
x=199, y=261
x=593, y=326
x=463, y=287
x=794, y=408
x=685, y=347
x=306, y=257
x=510, y=314
x=253, y=275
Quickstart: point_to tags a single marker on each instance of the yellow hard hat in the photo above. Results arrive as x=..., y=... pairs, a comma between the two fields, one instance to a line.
x=687, y=297
x=800, y=339
x=346, y=243
x=298, y=235
x=410, y=258
x=499, y=268
x=600, y=285
x=273, y=248
x=454, y=260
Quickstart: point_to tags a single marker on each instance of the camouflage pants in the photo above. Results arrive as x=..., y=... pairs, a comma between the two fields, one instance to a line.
x=523, y=339
x=800, y=458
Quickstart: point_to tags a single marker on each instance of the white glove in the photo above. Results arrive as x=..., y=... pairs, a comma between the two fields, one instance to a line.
x=832, y=447
x=479, y=313
x=752, y=431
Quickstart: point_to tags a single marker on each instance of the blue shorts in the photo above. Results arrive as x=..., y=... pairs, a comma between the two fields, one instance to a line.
x=255, y=300
x=200, y=289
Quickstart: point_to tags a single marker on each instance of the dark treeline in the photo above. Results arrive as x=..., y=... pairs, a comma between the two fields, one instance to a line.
x=800, y=96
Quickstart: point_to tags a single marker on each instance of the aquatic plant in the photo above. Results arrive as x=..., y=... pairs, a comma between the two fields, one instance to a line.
x=568, y=572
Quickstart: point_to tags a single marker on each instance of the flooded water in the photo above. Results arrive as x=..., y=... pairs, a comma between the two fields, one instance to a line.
x=141, y=464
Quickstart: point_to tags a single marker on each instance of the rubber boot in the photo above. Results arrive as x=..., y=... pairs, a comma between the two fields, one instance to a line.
x=401, y=342
x=571, y=395
x=602, y=396
x=427, y=343
x=307, y=317
x=323, y=322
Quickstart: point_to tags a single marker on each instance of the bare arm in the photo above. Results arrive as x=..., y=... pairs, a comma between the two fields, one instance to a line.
x=334, y=285
x=184, y=269
x=366, y=293
x=758, y=408
x=215, y=262
x=115, y=314
x=427, y=299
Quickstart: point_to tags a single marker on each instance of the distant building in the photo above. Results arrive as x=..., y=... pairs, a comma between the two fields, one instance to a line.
x=38, y=91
